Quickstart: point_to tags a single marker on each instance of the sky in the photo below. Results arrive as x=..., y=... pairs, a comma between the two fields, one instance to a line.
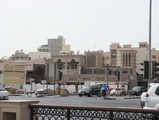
x=85, y=24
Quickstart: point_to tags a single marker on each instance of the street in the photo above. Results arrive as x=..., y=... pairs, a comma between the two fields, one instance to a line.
x=75, y=100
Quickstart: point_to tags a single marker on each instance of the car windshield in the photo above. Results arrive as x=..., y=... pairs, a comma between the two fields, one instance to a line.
x=117, y=89
x=86, y=87
x=136, y=88
x=1, y=88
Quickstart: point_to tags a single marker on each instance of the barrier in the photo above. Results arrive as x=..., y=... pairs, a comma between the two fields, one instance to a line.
x=31, y=110
x=52, y=112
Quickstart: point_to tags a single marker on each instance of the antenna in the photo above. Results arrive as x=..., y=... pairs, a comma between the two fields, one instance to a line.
x=94, y=45
x=77, y=52
x=157, y=45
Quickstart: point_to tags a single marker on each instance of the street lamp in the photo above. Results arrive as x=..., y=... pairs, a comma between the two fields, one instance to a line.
x=148, y=82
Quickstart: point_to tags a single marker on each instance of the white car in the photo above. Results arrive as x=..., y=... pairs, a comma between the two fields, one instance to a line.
x=4, y=94
x=118, y=91
x=151, y=97
x=142, y=100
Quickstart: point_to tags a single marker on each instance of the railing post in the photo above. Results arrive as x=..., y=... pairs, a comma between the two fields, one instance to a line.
x=68, y=114
x=31, y=113
x=111, y=115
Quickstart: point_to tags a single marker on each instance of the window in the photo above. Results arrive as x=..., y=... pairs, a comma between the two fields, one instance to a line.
x=157, y=91
x=125, y=72
x=153, y=56
x=107, y=58
x=113, y=53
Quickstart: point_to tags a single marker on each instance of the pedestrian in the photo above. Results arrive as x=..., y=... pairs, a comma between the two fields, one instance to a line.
x=103, y=92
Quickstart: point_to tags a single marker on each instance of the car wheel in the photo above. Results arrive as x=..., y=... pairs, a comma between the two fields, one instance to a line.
x=90, y=95
x=142, y=104
x=7, y=99
x=80, y=95
x=98, y=95
x=120, y=94
x=140, y=93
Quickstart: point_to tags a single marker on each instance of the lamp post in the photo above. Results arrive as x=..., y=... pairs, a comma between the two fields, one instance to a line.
x=31, y=81
x=107, y=75
x=43, y=82
x=149, y=78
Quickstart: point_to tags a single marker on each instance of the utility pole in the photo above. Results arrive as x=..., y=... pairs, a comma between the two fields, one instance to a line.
x=107, y=75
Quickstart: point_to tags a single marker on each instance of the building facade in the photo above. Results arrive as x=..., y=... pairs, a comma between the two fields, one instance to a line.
x=95, y=65
x=92, y=67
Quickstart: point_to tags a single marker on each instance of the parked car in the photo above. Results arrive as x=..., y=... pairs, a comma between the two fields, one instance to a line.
x=4, y=94
x=89, y=90
x=151, y=97
x=118, y=91
x=138, y=90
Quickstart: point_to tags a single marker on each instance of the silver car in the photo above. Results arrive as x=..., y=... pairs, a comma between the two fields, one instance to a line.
x=4, y=94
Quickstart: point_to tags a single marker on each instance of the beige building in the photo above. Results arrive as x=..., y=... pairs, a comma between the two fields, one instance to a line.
x=93, y=65
x=14, y=75
x=19, y=72
x=94, y=59
x=20, y=55
x=55, y=45
x=155, y=55
x=81, y=69
x=106, y=58
x=128, y=57
x=114, y=54
x=39, y=55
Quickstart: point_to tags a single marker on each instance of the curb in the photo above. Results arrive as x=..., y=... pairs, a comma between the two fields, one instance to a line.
x=131, y=97
x=109, y=98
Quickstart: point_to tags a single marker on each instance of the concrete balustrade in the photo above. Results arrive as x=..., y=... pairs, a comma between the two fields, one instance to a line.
x=15, y=109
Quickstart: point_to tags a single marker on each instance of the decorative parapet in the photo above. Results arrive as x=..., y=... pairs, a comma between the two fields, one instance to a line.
x=15, y=109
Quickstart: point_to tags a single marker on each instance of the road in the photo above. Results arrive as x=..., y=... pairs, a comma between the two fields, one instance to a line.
x=74, y=100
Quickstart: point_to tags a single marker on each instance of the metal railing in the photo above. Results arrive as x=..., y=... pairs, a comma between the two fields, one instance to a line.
x=51, y=112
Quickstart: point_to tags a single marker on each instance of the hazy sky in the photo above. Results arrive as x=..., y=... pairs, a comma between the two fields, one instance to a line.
x=85, y=24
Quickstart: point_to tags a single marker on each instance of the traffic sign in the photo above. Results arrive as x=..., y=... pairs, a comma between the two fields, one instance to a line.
x=106, y=88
